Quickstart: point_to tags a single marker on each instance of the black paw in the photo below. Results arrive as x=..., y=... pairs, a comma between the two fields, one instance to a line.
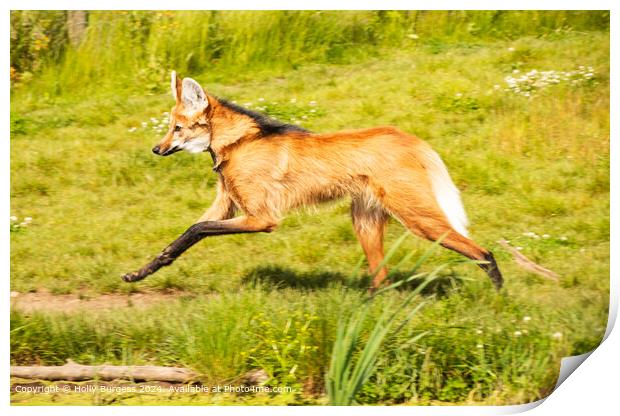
x=132, y=277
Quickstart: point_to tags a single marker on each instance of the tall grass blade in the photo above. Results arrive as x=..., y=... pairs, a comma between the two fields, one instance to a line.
x=349, y=372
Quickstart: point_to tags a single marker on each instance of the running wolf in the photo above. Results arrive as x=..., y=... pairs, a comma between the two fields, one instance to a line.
x=266, y=168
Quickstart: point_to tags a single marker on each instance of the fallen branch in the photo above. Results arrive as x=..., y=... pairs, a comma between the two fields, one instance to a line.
x=77, y=372
x=528, y=264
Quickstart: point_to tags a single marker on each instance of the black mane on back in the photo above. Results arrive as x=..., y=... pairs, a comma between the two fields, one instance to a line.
x=267, y=125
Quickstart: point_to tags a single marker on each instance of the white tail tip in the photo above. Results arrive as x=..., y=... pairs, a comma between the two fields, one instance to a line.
x=447, y=195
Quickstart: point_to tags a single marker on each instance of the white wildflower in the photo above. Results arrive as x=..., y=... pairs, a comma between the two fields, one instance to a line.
x=518, y=333
x=13, y=218
x=511, y=49
x=261, y=99
x=527, y=318
x=28, y=219
x=479, y=346
x=413, y=36
x=557, y=335
x=534, y=79
x=519, y=248
x=479, y=331
x=545, y=236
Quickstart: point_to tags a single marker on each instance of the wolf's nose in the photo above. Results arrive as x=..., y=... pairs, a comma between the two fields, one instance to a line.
x=156, y=150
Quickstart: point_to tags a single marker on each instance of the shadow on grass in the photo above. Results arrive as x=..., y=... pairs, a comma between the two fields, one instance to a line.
x=284, y=277
x=440, y=286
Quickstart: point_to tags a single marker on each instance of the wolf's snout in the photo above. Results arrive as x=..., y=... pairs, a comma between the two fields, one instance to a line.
x=167, y=152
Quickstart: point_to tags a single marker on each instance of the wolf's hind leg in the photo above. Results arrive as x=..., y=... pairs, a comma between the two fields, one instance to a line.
x=429, y=222
x=194, y=234
x=369, y=221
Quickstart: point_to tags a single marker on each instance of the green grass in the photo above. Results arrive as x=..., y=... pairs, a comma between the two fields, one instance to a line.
x=122, y=47
x=102, y=205
x=469, y=353
x=349, y=371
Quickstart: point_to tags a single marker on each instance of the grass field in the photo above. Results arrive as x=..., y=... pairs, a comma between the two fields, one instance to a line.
x=531, y=159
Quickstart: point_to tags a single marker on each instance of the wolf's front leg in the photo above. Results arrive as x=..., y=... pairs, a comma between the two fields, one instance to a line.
x=194, y=234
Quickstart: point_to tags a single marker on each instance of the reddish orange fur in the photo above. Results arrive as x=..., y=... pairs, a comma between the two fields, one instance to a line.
x=383, y=169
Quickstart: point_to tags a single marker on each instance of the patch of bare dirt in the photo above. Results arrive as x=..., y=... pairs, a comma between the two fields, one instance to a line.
x=45, y=301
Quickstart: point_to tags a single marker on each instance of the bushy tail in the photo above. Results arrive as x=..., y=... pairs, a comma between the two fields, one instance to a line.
x=446, y=193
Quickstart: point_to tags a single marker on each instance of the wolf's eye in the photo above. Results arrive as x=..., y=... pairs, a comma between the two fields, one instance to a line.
x=177, y=128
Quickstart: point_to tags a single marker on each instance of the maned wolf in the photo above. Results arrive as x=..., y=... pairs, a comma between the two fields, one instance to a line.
x=266, y=167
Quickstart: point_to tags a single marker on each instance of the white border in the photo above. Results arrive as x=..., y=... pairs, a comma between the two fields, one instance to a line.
x=593, y=386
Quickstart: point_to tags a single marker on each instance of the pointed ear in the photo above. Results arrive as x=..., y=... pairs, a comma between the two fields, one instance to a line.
x=176, y=87
x=194, y=97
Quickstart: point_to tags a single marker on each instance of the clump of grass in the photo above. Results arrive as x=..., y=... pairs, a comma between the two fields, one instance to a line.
x=347, y=375
x=283, y=351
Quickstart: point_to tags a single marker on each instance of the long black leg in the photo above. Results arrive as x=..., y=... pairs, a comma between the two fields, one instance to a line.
x=191, y=236
x=493, y=271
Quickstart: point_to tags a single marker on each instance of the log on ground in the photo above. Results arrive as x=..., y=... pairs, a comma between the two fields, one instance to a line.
x=78, y=372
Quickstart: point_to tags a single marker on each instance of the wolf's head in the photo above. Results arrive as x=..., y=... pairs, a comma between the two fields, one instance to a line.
x=189, y=127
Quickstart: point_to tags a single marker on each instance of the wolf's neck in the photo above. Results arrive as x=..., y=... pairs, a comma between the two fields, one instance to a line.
x=228, y=128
